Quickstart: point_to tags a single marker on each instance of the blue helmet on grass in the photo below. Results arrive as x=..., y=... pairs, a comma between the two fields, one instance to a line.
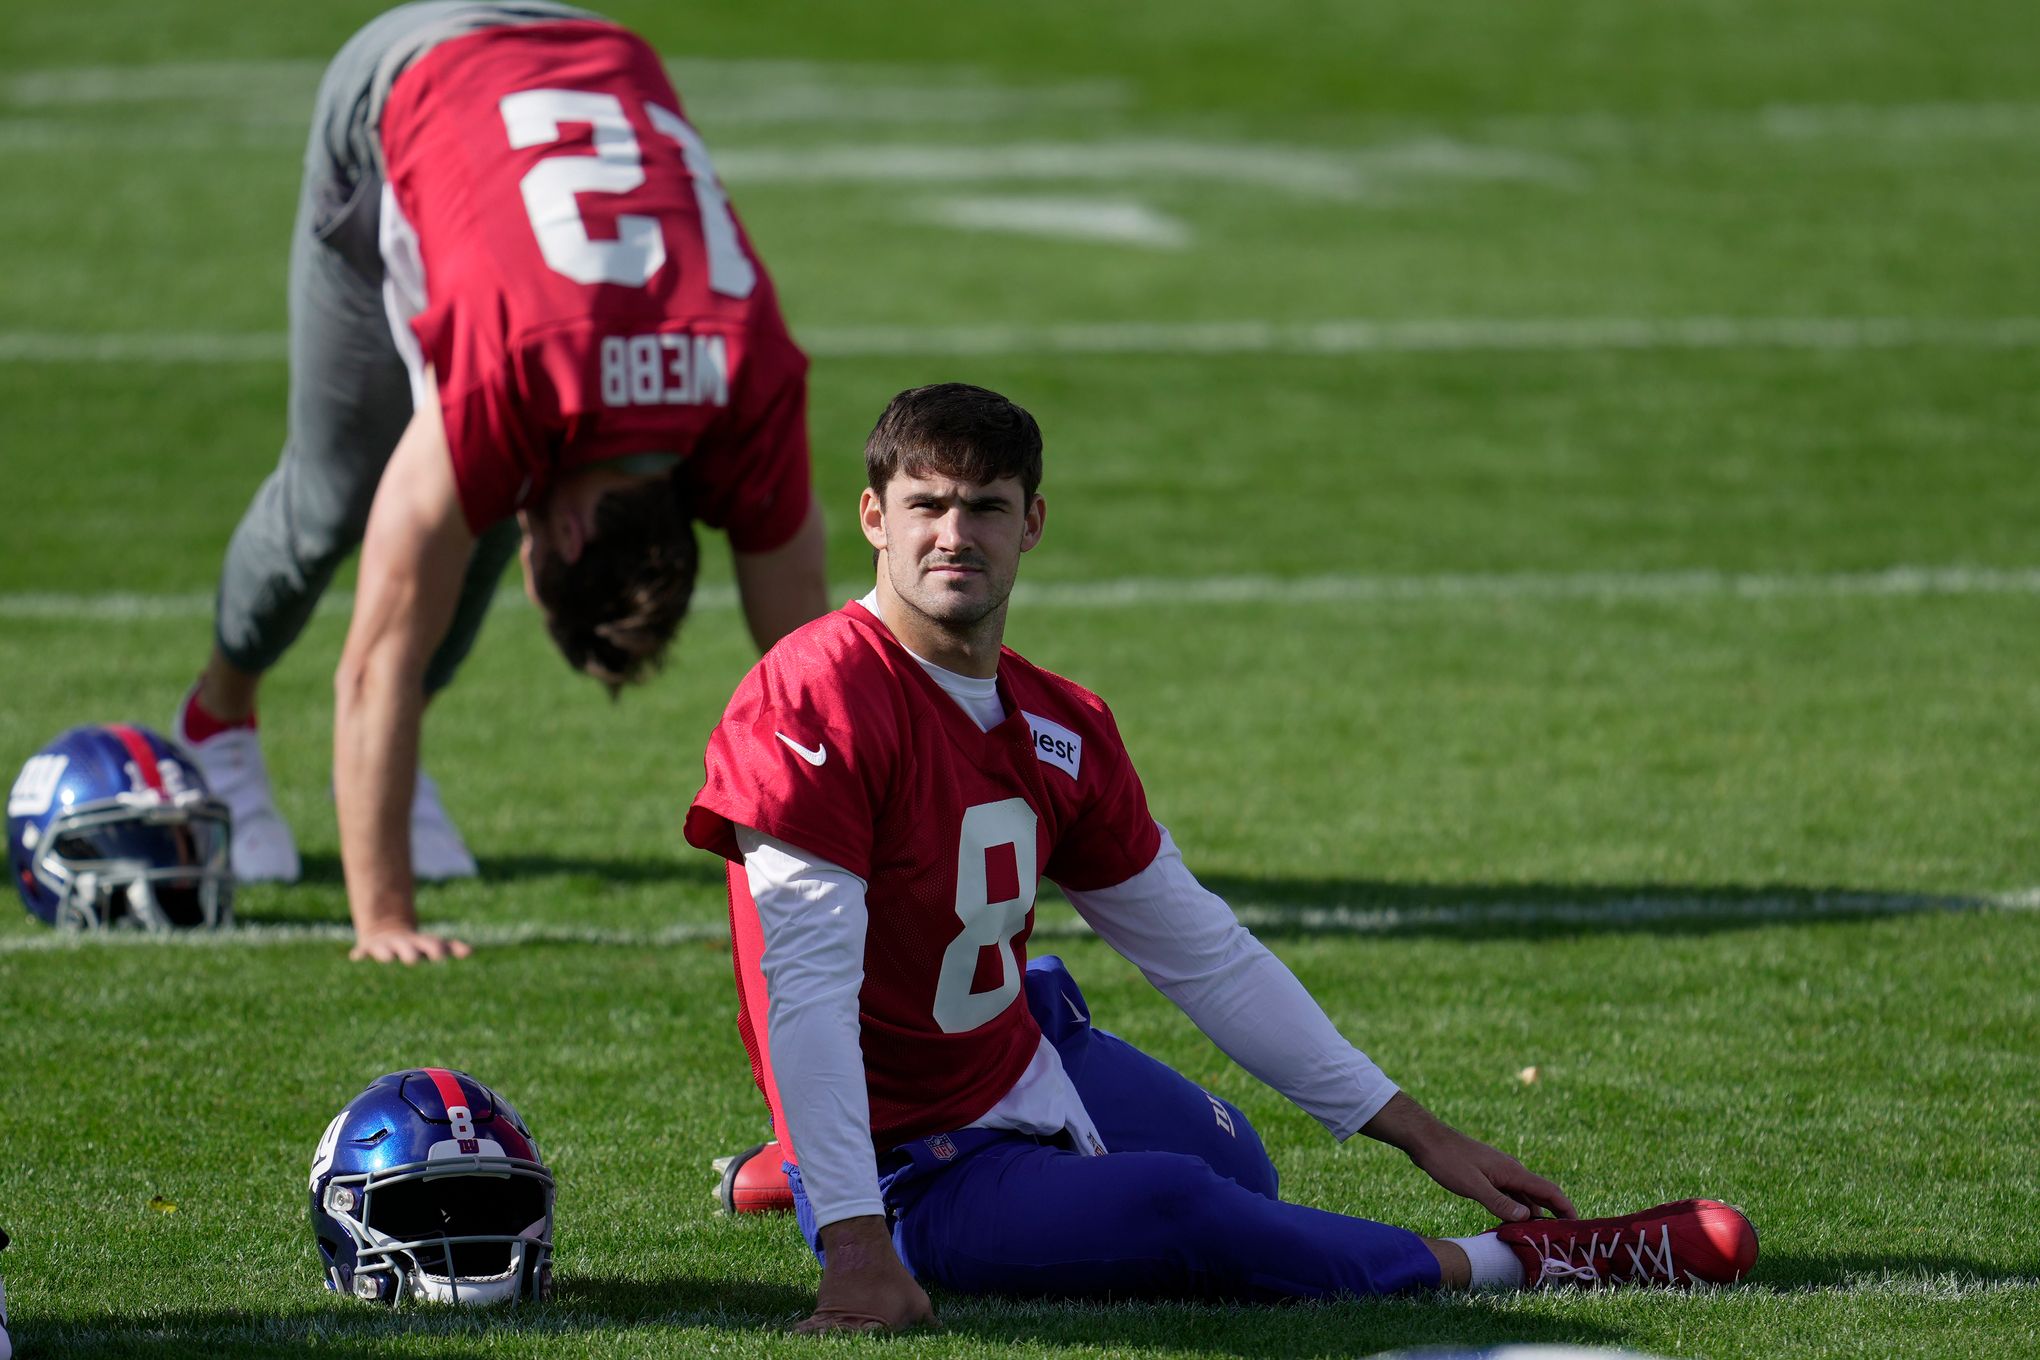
x=428, y=1185
x=112, y=826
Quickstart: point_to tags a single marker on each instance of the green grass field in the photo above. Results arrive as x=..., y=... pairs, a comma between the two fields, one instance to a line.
x=1548, y=491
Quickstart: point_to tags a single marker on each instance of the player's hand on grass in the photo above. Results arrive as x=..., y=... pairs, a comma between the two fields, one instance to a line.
x=864, y=1286
x=1466, y=1166
x=406, y=945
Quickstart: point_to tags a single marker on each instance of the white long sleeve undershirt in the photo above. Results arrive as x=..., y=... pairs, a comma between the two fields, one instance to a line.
x=1181, y=936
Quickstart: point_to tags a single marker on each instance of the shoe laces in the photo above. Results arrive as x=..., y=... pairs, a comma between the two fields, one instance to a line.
x=1632, y=1257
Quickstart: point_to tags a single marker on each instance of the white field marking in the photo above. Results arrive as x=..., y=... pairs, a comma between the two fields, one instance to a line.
x=1319, y=339
x=1639, y=909
x=1868, y=126
x=245, y=85
x=266, y=934
x=1140, y=592
x=1642, y=908
x=1117, y=221
x=1900, y=122
x=728, y=93
x=48, y=347
x=253, y=133
x=769, y=93
x=1137, y=592
x=1304, y=171
x=1468, y=335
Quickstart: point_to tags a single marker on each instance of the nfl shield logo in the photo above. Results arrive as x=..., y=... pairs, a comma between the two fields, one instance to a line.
x=941, y=1147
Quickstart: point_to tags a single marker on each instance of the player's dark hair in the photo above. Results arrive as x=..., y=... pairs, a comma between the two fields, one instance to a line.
x=955, y=430
x=613, y=610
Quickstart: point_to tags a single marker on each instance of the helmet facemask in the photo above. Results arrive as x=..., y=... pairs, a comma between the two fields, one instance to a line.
x=147, y=867
x=479, y=1232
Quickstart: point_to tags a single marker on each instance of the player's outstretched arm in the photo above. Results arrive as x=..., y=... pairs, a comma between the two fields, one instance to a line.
x=864, y=1286
x=785, y=587
x=412, y=560
x=1466, y=1166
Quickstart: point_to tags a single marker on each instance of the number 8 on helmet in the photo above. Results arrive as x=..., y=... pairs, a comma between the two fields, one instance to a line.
x=428, y=1185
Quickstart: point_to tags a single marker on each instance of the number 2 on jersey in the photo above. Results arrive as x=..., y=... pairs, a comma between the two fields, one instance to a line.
x=534, y=117
x=1000, y=834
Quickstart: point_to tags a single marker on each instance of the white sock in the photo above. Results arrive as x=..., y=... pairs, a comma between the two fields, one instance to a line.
x=1495, y=1265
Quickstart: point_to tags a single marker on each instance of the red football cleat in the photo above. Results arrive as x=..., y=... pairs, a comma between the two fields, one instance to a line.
x=753, y=1182
x=1690, y=1241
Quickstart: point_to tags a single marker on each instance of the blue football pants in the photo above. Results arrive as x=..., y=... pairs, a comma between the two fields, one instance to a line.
x=1183, y=1206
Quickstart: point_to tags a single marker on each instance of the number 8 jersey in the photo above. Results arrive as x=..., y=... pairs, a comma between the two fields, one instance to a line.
x=841, y=744
x=560, y=253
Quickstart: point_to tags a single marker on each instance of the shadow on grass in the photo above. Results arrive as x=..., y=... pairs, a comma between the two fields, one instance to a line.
x=617, y=1305
x=1784, y=1272
x=350, y=1331
x=691, y=868
x=1277, y=906
x=1355, y=1327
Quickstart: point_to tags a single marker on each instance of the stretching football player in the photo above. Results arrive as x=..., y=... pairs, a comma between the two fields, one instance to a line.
x=521, y=310
x=887, y=785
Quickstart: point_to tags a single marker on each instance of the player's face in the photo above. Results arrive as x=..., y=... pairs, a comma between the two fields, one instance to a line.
x=949, y=549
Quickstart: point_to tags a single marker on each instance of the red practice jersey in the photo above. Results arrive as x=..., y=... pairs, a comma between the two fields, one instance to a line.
x=840, y=744
x=588, y=292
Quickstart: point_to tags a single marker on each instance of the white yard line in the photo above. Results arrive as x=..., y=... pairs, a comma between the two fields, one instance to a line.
x=1136, y=592
x=1309, y=172
x=1638, y=909
x=1133, y=592
x=1114, y=221
x=1441, y=336
x=1450, y=335
x=728, y=92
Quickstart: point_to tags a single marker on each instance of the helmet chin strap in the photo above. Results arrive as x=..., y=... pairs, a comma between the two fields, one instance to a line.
x=78, y=908
x=472, y=1292
x=143, y=909
x=88, y=897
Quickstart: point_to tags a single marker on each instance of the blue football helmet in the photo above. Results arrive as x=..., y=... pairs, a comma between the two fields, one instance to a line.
x=113, y=826
x=429, y=1186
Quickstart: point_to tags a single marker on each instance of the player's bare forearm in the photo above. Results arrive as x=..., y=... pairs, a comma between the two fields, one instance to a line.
x=864, y=1286
x=412, y=560
x=375, y=761
x=1465, y=1166
x=787, y=586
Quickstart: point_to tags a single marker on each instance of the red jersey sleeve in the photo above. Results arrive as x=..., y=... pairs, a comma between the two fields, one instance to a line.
x=489, y=438
x=802, y=754
x=755, y=481
x=1113, y=836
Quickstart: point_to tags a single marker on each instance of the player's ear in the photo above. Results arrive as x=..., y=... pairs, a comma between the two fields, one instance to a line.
x=1037, y=520
x=871, y=517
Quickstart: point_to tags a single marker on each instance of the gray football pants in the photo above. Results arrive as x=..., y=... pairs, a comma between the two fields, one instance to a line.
x=350, y=395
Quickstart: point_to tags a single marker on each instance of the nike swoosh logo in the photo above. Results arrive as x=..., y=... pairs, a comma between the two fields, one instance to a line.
x=814, y=757
x=1081, y=1017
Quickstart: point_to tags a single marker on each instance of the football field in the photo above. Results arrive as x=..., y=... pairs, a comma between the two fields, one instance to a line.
x=1551, y=493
